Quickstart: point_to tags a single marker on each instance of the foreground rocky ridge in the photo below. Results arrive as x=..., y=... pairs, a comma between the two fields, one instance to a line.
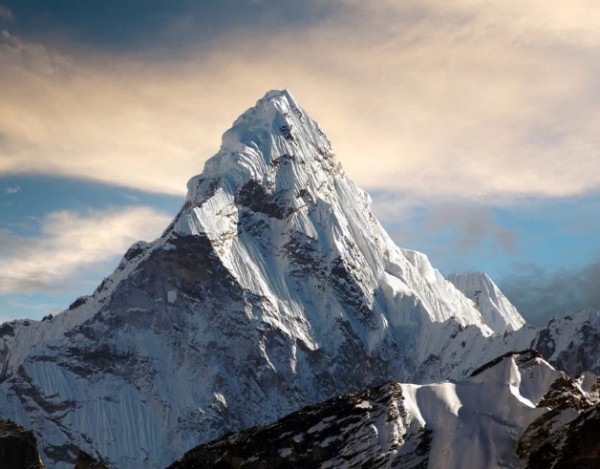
x=365, y=429
x=18, y=447
x=516, y=411
x=19, y=450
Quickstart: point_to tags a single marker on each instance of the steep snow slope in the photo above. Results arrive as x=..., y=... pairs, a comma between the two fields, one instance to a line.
x=475, y=423
x=497, y=311
x=273, y=288
x=276, y=204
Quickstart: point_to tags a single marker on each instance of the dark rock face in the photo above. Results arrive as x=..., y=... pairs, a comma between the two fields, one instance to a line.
x=85, y=461
x=256, y=198
x=19, y=450
x=567, y=436
x=526, y=355
x=18, y=447
x=350, y=430
x=573, y=445
x=582, y=447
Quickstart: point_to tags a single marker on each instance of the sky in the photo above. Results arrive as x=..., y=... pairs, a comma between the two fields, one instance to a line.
x=474, y=125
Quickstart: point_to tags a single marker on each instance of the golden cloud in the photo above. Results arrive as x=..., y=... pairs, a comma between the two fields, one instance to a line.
x=70, y=242
x=466, y=99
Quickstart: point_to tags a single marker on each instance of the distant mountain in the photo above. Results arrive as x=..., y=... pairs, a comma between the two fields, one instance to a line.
x=516, y=411
x=572, y=343
x=497, y=311
x=273, y=288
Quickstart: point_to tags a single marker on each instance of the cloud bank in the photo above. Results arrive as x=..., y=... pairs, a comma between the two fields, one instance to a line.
x=68, y=244
x=489, y=101
x=540, y=294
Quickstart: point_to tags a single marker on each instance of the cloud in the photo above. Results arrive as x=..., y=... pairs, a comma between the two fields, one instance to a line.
x=460, y=227
x=540, y=294
x=459, y=236
x=12, y=190
x=70, y=243
x=471, y=228
x=487, y=101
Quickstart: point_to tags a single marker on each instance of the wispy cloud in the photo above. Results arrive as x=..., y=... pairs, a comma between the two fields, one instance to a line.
x=482, y=100
x=456, y=234
x=69, y=243
x=471, y=228
x=540, y=294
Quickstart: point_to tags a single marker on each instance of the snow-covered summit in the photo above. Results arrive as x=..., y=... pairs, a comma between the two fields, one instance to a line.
x=275, y=201
x=498, y=312
x=264, y=139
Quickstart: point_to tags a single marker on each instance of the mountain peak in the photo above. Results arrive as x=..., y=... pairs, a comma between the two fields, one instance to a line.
x=274, y=102
x=277, y=112
x=269, y=144
x=498, y=312
x=276, y=206
x=274, y=287
x=274, y=160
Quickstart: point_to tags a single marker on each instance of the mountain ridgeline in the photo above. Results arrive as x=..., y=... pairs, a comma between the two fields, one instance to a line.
x=273, y=288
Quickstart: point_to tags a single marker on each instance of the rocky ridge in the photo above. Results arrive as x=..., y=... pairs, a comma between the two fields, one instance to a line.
x=513, y=412
x=18, y=447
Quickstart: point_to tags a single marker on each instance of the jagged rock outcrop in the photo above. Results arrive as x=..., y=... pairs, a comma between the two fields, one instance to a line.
x=85, y=461
x=18, y=447
x=567, y=436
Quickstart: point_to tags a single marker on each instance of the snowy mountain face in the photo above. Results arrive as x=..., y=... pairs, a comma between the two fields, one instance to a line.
x=505, y=415
x=273, y=288
x=572, y=343
x=496, y=309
